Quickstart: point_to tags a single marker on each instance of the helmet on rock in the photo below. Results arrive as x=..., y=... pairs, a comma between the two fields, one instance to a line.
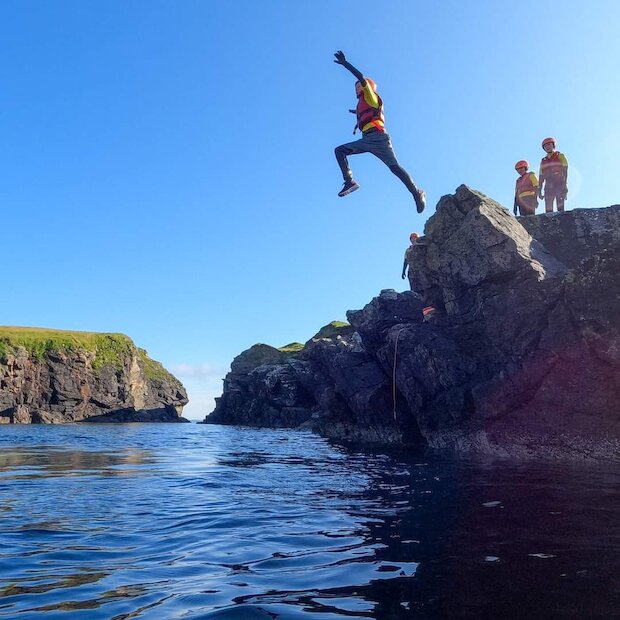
x=522, y=163
x=413, y=236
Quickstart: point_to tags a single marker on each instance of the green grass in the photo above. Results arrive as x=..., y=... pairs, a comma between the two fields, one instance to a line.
x=108, y=349
x=260, y=353
x=152, y=369
x=331, y=330
x=291, y=347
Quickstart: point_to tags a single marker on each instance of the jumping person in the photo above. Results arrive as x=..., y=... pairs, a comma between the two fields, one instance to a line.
x=526, y=190
x=553, y=175
x=374, y=139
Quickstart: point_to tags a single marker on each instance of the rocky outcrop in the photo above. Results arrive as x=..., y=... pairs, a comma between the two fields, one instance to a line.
x=54, y=377
x=521, y=355
x=575, y=235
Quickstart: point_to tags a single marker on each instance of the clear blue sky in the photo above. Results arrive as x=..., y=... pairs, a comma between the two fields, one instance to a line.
x=168, y=172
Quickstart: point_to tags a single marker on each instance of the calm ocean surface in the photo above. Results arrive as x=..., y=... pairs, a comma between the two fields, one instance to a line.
x=191, y=521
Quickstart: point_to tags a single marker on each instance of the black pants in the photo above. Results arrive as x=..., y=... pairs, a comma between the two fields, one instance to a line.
x=528, y=205
x=379, y=144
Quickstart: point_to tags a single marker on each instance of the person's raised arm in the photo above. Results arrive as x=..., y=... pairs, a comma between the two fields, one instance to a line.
x=341, y=60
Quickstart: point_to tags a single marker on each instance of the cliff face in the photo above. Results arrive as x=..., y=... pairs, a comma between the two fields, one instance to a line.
x=521, y=355
x=53, y=377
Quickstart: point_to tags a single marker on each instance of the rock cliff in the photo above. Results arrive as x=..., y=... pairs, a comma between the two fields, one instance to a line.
x=49, y=376
x=520, y=356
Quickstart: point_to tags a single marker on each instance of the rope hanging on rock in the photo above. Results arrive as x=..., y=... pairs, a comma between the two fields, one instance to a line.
x=394, y=373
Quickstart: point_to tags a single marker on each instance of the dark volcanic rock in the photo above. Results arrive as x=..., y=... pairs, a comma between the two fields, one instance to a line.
x=263, y=388
x=521, y=356
x=53, y=377
x=574, y=235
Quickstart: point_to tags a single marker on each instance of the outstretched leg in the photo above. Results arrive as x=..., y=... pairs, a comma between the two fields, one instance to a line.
x=418, y=195
x=402, y=174
x=382, y=148
x=343, y=151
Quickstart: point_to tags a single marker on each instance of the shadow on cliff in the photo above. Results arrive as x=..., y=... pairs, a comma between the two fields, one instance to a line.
x=159, y=414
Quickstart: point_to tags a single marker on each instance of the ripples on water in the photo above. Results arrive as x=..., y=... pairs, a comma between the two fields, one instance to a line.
x=186, y=521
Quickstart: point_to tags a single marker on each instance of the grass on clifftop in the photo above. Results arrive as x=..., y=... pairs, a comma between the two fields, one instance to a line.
x=331, y=330
x=107, y=348
x=292, y=347
x=154, y=370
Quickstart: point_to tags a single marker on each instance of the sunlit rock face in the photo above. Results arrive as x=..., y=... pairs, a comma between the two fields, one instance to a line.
x=521, y=355
x=51, y=376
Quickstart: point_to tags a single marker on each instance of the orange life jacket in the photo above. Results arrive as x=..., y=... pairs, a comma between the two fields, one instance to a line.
x=525, y=186
x=367, y=114
x=551, y=165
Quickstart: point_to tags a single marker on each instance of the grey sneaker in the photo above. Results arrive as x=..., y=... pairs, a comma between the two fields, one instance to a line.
x=420, y=200
x=348, y=187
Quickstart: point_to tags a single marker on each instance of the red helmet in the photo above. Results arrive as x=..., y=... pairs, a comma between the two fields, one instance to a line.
x=548, y=141
x=522, y=163
x=413, y=236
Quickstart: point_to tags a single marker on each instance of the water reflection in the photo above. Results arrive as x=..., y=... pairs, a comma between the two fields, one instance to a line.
x=43, y=461
x=284, y=525
x=119, y=594
x=440, y=544
x=67, y=581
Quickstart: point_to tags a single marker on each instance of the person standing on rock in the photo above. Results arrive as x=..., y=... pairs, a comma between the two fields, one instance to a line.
x=414, y=239
x=553, y=176
x=526, y=190
x=375, y=140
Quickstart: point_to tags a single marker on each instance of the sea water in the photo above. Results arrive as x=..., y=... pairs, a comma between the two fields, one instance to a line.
x=198, y=521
